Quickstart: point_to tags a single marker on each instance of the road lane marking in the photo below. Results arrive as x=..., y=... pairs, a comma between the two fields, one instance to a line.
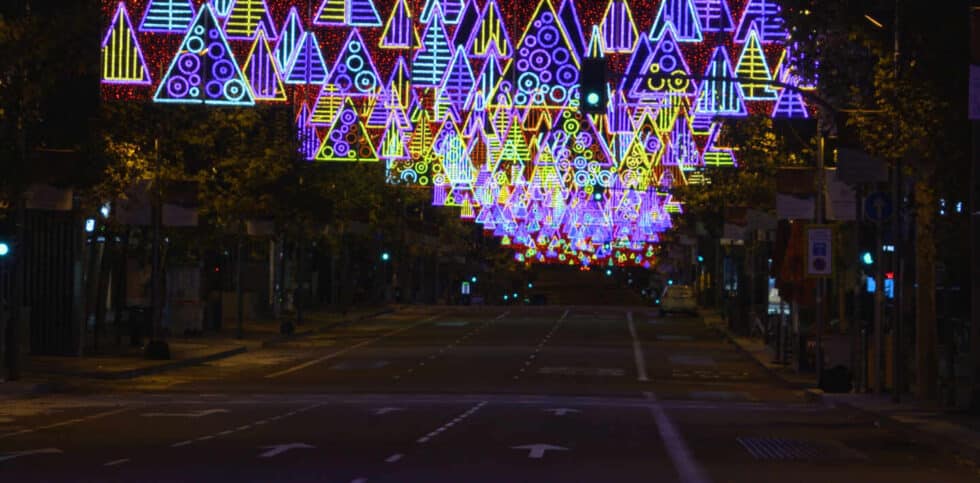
x=687, y=468
x=537, y=349
x=341, y=352
x=393, y=458
x=18, y=454
x=641, y=363
x=192, y=414
x=64, y=423
x=116, y=462
x=537, y=451
x=463, y=338
x=278, y=449
x=451, y=423
x=245, y=427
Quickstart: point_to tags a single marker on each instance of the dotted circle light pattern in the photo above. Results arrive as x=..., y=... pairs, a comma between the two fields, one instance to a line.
x=493, y=124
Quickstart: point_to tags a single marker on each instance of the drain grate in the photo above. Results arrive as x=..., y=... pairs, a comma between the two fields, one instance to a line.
x=777, y=449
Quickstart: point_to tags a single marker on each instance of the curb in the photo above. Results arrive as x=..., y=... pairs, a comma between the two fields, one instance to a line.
x=194, y=361
x=308, y=332
x=811, y=394
x=146, y=371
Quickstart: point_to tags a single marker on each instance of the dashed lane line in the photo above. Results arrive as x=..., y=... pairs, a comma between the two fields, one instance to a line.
x=244, y=427
x=537, y=350
x=116, y=462
x=458, y=419
x=343, y=351
x=420, y=364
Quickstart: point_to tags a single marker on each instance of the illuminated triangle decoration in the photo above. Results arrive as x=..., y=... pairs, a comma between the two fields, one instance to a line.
x=347, y=140
x=309, y=141
x=431, y=62
x=714, y=15
x=245, y=17
x=719, y=95
x=400, y=31
x=752, y=65
x=171, y=16
x=451, y=10
x=490, y=34
x=354, y=73
x=681, y=15
x=362, y=13
x=289, y=38
x=204, y=68
x=307, y=65
x=764, y=15
x=618, y=29
x=262, y=72
x=222, y=7
x=790, y=105
x=331, y=13
x=122, y=57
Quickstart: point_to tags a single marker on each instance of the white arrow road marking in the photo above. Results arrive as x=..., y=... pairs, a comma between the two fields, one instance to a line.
x=192, y=414
x=537, y=451
x=562, y=411
x=18, y=454
x=282, y=448
x=383, y=411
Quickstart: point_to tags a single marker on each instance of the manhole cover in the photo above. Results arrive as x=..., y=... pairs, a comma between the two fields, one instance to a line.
x=358, y=365
x=778, y=449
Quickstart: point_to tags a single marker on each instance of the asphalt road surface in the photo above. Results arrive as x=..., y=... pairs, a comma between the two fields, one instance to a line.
x=494, y=394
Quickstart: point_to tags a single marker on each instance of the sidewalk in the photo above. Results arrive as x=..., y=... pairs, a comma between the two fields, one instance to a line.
x=128, y=362
x=956, y=432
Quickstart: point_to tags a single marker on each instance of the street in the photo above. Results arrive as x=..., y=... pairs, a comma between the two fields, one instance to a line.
x=559, y=393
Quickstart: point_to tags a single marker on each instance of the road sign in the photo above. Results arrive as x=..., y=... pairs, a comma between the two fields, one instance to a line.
x=878, y=207
x=819, y=242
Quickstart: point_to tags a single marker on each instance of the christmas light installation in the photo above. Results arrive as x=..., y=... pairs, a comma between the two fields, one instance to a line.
x=452, y=100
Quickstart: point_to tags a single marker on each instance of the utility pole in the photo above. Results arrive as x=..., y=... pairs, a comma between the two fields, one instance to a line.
x=975, y=210
x=820, y=217
x=899, y=244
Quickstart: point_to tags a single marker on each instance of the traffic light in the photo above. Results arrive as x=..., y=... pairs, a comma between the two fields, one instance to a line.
x=4, y=249
x=593, y=94
x=867, y=259
x=385, y=256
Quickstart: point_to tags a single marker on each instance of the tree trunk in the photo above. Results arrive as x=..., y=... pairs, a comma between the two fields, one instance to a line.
x=925, y=277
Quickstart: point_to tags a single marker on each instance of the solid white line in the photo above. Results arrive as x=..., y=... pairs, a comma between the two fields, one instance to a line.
x=116, y=462
x=687, y=468
x=346, y=350
x=641, y=363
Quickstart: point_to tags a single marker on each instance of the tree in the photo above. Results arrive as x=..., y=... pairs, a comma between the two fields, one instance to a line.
x=901, y=111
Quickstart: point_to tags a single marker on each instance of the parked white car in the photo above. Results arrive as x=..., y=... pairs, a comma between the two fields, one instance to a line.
x=678, y=298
